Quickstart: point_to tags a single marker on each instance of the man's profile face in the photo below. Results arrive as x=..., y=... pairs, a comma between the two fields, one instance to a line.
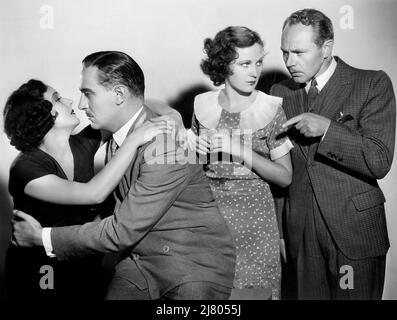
x=303, y=58
x=97, y=101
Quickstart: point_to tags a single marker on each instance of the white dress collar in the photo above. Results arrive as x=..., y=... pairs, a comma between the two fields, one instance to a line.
x=261, y=112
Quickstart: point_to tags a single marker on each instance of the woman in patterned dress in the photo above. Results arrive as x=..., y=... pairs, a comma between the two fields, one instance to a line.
x=240, y=128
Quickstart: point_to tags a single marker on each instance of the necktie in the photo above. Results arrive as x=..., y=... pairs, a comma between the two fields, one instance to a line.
x=110, y=152
x=311, y=96
x=310, y=99
x=113, y=147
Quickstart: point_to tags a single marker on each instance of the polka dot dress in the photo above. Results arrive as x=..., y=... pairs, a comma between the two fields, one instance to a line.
x=247, y=205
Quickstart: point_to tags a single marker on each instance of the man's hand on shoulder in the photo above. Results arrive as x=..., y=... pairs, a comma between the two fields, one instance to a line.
x=26, y=230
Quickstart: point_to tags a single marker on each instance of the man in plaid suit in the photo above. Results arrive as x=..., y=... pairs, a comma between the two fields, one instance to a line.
x=342, y=124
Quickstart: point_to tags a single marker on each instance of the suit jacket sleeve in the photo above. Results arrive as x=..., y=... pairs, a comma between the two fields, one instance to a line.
x=368, y=150
x=150, y=196
x=279, y=195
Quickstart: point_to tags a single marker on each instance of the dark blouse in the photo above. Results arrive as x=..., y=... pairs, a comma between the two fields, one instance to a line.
x=76, y=279
x=37, y=163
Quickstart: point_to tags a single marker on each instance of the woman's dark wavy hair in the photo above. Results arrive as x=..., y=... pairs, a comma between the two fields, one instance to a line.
x=221, y=51
x=27, y=115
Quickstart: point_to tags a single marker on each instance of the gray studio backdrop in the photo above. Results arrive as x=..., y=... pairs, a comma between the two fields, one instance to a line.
x=47, y=39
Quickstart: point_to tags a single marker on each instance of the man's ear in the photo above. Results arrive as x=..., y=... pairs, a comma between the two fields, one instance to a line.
x=121, y=93
x=328, y=45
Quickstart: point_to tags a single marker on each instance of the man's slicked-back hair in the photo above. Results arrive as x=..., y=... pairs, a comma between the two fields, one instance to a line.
x=318, y=20
x=116, y=67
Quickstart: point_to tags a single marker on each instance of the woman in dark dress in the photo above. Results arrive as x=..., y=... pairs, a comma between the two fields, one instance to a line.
x=53, y=180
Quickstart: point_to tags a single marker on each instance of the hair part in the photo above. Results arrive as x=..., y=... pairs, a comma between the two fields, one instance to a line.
x=221, y=51
x=317, y=20
x=115, y=68
x=27, y=115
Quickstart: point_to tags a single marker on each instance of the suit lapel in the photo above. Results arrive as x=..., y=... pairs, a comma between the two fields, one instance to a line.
x=295, y=107
x=129, y=176
x=296, y=100
x=125, y=182
x=335, y=90
x=331, y=96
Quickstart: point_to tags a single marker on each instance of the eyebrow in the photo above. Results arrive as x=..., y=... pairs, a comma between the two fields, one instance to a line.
x=55, y=95
x=84, y=90
x=294, y=50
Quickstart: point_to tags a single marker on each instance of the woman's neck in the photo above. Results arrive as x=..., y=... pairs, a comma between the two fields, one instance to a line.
x=56, y=142
x=235, y=101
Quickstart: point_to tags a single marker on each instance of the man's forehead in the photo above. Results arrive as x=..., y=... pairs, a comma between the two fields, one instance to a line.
x=89, y=77
x=298, y=35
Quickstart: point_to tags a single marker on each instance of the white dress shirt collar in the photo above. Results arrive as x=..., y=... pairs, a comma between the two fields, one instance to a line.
x=323, y=78
x=120, y=135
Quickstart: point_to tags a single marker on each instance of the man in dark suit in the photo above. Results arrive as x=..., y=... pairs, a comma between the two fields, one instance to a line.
x=171, y=239
x=342, y=124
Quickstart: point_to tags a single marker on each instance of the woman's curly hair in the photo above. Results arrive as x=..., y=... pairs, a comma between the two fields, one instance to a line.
x=27, y=115
x=221, y=51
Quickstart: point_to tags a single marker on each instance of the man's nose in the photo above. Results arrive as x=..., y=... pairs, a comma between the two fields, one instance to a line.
x=289, y=62
x=83, y=103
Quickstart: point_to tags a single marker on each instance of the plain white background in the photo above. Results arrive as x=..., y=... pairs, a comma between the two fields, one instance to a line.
x=165, y=37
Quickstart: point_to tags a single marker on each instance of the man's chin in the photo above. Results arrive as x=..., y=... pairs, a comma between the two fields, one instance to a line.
x=95, y=126
x=299, y=79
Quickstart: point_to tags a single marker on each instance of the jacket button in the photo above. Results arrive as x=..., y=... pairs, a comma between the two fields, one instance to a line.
x=166, y=249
